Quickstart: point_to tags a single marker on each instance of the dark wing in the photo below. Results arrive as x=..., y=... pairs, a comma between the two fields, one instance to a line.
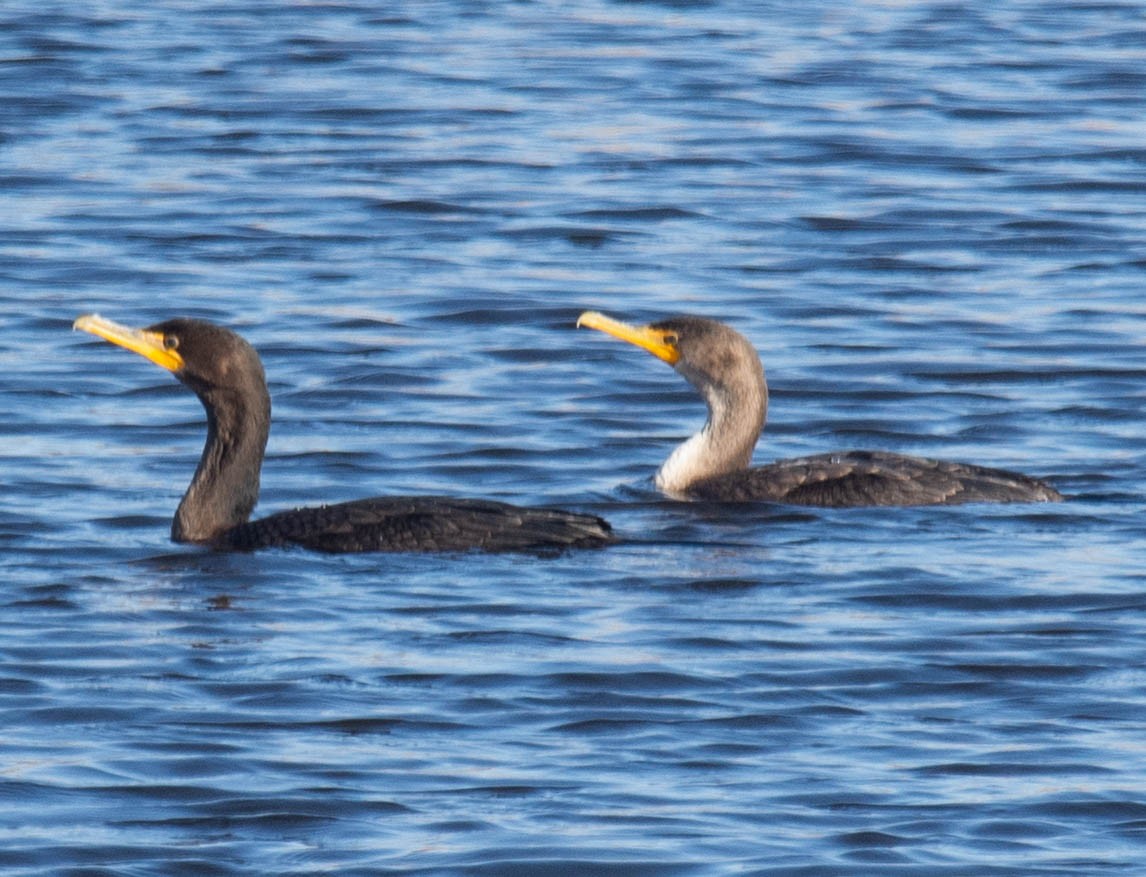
x=866, y=478
x=421, y=524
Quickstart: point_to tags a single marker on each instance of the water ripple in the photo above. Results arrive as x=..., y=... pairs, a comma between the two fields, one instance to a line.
x=927, y=217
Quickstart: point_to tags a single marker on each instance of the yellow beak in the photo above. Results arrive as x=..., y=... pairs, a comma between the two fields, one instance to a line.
x=149, y=344
x=655, y=341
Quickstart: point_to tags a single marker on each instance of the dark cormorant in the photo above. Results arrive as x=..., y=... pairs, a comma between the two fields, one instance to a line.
x=226, y=374
x=713, y=464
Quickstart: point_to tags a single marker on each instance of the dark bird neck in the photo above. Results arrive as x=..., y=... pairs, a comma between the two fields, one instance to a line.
x=226, y=485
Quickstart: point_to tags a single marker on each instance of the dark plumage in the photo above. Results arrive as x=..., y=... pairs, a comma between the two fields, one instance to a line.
x=226, y=374
x=713, y=464
x=419, y=523
x=872, y=478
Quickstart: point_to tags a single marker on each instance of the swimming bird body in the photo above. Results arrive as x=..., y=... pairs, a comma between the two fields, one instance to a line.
x=714, y=463
x=225, y=372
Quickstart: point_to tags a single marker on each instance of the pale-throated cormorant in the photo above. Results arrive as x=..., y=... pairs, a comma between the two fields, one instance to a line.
x=225, y=372
x=713, y=464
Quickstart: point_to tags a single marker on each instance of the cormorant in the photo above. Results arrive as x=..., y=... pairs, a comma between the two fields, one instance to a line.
x=225, y=372
x=713, y=464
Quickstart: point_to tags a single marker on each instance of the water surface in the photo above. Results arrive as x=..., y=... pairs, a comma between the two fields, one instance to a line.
x=928, y=217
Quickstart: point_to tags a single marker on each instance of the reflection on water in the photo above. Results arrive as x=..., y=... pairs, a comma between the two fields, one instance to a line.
x=926, y=217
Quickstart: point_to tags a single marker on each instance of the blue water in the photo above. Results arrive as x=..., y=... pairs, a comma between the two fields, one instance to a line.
x=931, y=219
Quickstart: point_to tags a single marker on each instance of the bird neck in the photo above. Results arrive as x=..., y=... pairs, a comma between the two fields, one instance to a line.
x=736, y=413
x=226, y=484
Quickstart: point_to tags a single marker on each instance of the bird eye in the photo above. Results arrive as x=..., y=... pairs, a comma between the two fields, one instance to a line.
x=671, y=338
x=170, y=342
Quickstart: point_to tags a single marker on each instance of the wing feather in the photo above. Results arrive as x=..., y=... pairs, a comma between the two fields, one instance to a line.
x=867, y=478
x=422, y=524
